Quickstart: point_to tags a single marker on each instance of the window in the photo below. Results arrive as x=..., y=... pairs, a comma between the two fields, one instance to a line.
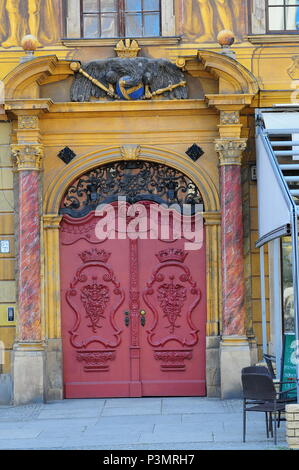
x=120, y=18
x=282, y=15
x=274, y=16
x=287, y=286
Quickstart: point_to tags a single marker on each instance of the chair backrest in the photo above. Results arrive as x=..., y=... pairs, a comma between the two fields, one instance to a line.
x=255, y=370
x=269, y=361
x=258, y=387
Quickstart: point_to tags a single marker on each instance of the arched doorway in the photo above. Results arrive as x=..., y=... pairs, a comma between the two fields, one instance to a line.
x=133, y=302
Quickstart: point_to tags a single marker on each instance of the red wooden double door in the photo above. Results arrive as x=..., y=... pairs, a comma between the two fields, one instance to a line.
x=133, y=314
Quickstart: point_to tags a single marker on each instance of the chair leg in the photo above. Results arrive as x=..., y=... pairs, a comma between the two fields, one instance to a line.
x=275, y=428
x=270, y=424
x=244, y=420
x=279, y=416
x=267, y=424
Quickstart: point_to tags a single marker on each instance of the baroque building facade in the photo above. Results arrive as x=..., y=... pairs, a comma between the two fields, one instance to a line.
x=134, y=99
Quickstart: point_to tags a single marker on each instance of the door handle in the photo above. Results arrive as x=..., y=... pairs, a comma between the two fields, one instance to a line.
x=142, y=315
x=127, y=318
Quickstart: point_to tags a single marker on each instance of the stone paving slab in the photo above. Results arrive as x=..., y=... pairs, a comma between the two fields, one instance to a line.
x=137, y=419
x=108, y=439
x=134, y=424
x=142, y=411
x=69, y=414
x=133, y=402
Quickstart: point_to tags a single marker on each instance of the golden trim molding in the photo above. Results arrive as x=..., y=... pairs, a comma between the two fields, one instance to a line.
x=272, y=38
x=106, y=42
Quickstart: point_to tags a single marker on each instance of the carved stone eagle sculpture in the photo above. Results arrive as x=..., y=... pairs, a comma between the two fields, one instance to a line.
x=128, y=78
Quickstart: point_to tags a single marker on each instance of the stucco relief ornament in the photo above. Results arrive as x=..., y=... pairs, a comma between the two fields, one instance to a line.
x=171, y=297
x=230, y=150
x=95, y=298
x=128, y=77
x=27, y=157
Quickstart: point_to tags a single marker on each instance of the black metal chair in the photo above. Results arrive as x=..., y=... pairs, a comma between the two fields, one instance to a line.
x=260, y=395
x=269, y=359
x=261, y=370
x=255, y=370
x=284, y=394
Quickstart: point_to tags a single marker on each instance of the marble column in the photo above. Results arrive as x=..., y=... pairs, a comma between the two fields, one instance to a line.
x=28, y=349
x=234, y=349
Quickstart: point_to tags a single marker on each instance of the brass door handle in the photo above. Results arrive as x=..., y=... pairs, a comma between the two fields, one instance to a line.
x=142, y=314
x=127, y=318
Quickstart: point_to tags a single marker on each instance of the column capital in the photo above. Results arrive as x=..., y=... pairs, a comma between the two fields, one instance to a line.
x=52, y=221
x=230, y=150
x=27, y=157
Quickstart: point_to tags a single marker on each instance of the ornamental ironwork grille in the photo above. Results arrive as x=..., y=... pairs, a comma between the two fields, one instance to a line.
x=134, y=180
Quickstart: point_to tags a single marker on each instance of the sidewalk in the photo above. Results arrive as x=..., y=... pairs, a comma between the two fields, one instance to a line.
x=135, y=424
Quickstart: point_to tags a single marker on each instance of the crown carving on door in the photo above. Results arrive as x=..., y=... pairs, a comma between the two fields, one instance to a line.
x=172, y=254
x=94, y=255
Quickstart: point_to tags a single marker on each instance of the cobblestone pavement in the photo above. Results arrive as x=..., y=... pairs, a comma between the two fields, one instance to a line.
x=134, y=424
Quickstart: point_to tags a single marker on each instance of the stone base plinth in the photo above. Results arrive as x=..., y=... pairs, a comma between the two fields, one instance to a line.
x=234, y=355
x=213, y=366
x=54, y=377
x=5, y=389
x=28, y=373
x=292, y=428
x=253, y=350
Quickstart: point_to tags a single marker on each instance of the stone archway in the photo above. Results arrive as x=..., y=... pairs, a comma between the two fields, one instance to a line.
x=52, y=219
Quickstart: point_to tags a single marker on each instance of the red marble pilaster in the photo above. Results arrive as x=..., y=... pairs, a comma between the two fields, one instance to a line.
x=233, y=291
x=28, y=163
x=29, y=258
x=233, y=284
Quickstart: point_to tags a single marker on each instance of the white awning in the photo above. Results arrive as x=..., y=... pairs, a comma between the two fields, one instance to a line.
x=278, y=193
x=281, y=120
x=273, y=207
x=277, y=131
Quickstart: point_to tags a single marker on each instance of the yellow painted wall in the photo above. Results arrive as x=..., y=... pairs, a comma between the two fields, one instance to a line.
x=7, y=260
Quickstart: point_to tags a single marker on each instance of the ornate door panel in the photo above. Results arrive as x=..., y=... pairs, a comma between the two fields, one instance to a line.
x=173, y=316
x=133, y=310
x=94, y=300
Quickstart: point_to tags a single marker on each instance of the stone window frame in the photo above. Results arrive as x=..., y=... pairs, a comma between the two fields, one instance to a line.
x=73, y=22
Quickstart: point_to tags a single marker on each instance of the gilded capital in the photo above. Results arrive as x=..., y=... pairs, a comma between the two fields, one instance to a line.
x=230, y=150
x=27, y=157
